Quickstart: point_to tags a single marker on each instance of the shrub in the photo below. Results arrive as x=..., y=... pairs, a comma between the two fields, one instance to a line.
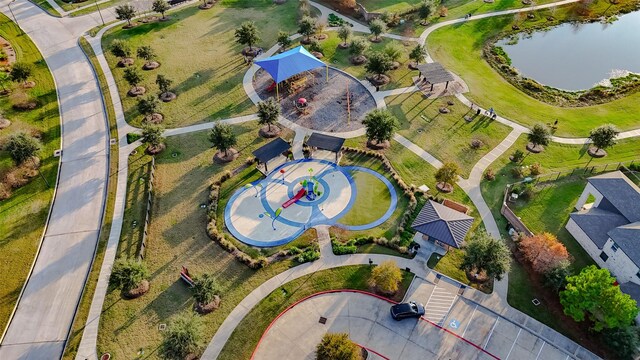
x=22, y=147
x=489, y=175
x=308, y=255
x=183, y=337
x=358, y=46
x=556, y=277
x=314, y=45
x=342, y=249
x=386, y=277
x=337, y=346
x=535, y=169
x=128, y=274
x=205, y=288
x=543, y=251
x=623, y=341
x=21, y=71
x=393, y=50
x=517, y=156
x=517, y=172
x=120, y=48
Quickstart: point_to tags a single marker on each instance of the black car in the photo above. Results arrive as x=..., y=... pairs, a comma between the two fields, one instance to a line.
x=407, y=310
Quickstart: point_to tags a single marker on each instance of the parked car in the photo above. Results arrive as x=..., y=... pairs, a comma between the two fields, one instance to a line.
x=407, y=310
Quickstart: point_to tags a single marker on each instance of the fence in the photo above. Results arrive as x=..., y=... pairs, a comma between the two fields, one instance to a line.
x=515, y=221
x=143, y=244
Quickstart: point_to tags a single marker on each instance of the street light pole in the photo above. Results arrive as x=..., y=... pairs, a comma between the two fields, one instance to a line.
x=14, y=15
x=99, y=12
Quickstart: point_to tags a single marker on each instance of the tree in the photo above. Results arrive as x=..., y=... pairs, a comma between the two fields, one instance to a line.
x=152, y=134
x=125, y=12
x=283, y=39
x=146, y=52
x=268, y=112
x=604, y=136
x=223, y=137
x=160, y=6
x=337, y=346
x=205, y=288
x=163, y=83
x=393, y=50
x=21, y=72
x=448, y=173
x=543, y=251
x=378, y=63
x=22, y=147
x=148, y=106
x=128, y=274
x=247, y=34
x=483, y=253
x=595, y=294
x=623, y=341
x=344, y=33
x=556, y=277
x=386, y=277
x=358, y=46
x=417, y=54
x=120, y=48
x=380, y=125
x=539, y=136
x=183, y=337
x=307, y=27
x=132, y=76
x=425, y=10
x=377, y=27
x=5, y=79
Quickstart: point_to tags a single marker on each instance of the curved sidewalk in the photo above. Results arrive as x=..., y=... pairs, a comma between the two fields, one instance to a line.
x=45, y=311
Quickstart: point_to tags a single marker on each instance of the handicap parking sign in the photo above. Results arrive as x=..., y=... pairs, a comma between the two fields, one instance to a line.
x=454, y=324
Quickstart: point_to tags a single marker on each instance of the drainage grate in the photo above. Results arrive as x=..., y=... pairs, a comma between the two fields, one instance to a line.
x=162, y=327
x=323, y=320
x=535, y=302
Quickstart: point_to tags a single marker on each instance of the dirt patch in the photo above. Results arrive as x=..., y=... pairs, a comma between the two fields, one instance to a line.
x=8, y=50
x=266, y=133
x=536, y=149
x=221, y=158
x=167, y=97
x=372, y=144
x=444, y=188
x=4, y=123
x=126, y=62
x=596, y=153
x=151, y=65
x=136, y=91
x=142, y=289
x=155, y=118
x=154, y=150
x=358, y=60
x=204, y=309
x=26, y=105
x=379, y=80
x=328, y=102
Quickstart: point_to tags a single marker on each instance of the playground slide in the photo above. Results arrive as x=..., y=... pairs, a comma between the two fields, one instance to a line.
x=297, y=197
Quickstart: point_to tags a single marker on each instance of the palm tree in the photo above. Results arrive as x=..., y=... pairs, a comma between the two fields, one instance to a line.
x=538, y=137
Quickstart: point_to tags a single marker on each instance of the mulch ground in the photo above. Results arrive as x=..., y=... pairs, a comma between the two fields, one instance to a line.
x=327, y=109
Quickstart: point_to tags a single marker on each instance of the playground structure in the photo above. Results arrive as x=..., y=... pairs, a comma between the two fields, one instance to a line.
x=279, y=208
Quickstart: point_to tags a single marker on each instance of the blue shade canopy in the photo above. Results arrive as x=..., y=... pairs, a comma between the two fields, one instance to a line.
x=289, y=63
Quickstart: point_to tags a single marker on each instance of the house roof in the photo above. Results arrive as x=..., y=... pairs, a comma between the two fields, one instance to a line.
x=325, y=142
x=442, y=223
x=627, y=237
x=631, y=289
x=597, y=223
x=620, y=192
x=435, y=73
x=271, y=150
x=289, y=63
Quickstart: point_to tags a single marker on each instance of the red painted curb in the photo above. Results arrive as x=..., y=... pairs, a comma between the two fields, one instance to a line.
x=364, y=293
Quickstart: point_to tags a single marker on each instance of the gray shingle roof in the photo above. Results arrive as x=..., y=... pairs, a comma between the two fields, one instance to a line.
x=442, y=223
x=627, y=237
x=621, y=193
x=596, y=223
x=632, y=289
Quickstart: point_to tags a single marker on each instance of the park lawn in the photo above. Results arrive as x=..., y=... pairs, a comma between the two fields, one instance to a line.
x=389, y=6
x=44, y=5
x=448, y=137
x=339, y=58
x=24, y=214
x=459, y=48
x=372, y=200
x=449, y=265
x=458, y=8
x=246, y=335
x=197, y=50
x=177, y=237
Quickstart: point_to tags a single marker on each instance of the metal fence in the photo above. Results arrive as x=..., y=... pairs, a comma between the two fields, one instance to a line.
x=143, y=244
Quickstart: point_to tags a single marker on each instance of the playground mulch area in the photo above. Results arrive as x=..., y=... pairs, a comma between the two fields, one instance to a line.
x=327, y=109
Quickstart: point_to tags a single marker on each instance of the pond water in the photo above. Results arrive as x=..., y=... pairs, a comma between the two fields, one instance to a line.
x=578, y=56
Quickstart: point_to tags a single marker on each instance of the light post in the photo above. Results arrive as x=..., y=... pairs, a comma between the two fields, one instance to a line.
x=14, y=15
x=99, y=12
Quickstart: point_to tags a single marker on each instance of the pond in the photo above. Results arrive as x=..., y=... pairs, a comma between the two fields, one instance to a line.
x=578, y=56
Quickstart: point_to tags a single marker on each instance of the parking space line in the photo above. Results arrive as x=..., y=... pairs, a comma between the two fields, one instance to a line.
x=514, y=344
x=471, y=318
x=491, y=332
x=540, y=351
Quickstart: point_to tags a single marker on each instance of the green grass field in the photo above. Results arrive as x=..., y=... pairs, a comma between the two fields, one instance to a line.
x=197, y=50
x=459, y=48
x=372, y=200
x=245, y=337
x=23, y=215
x=448, y=137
